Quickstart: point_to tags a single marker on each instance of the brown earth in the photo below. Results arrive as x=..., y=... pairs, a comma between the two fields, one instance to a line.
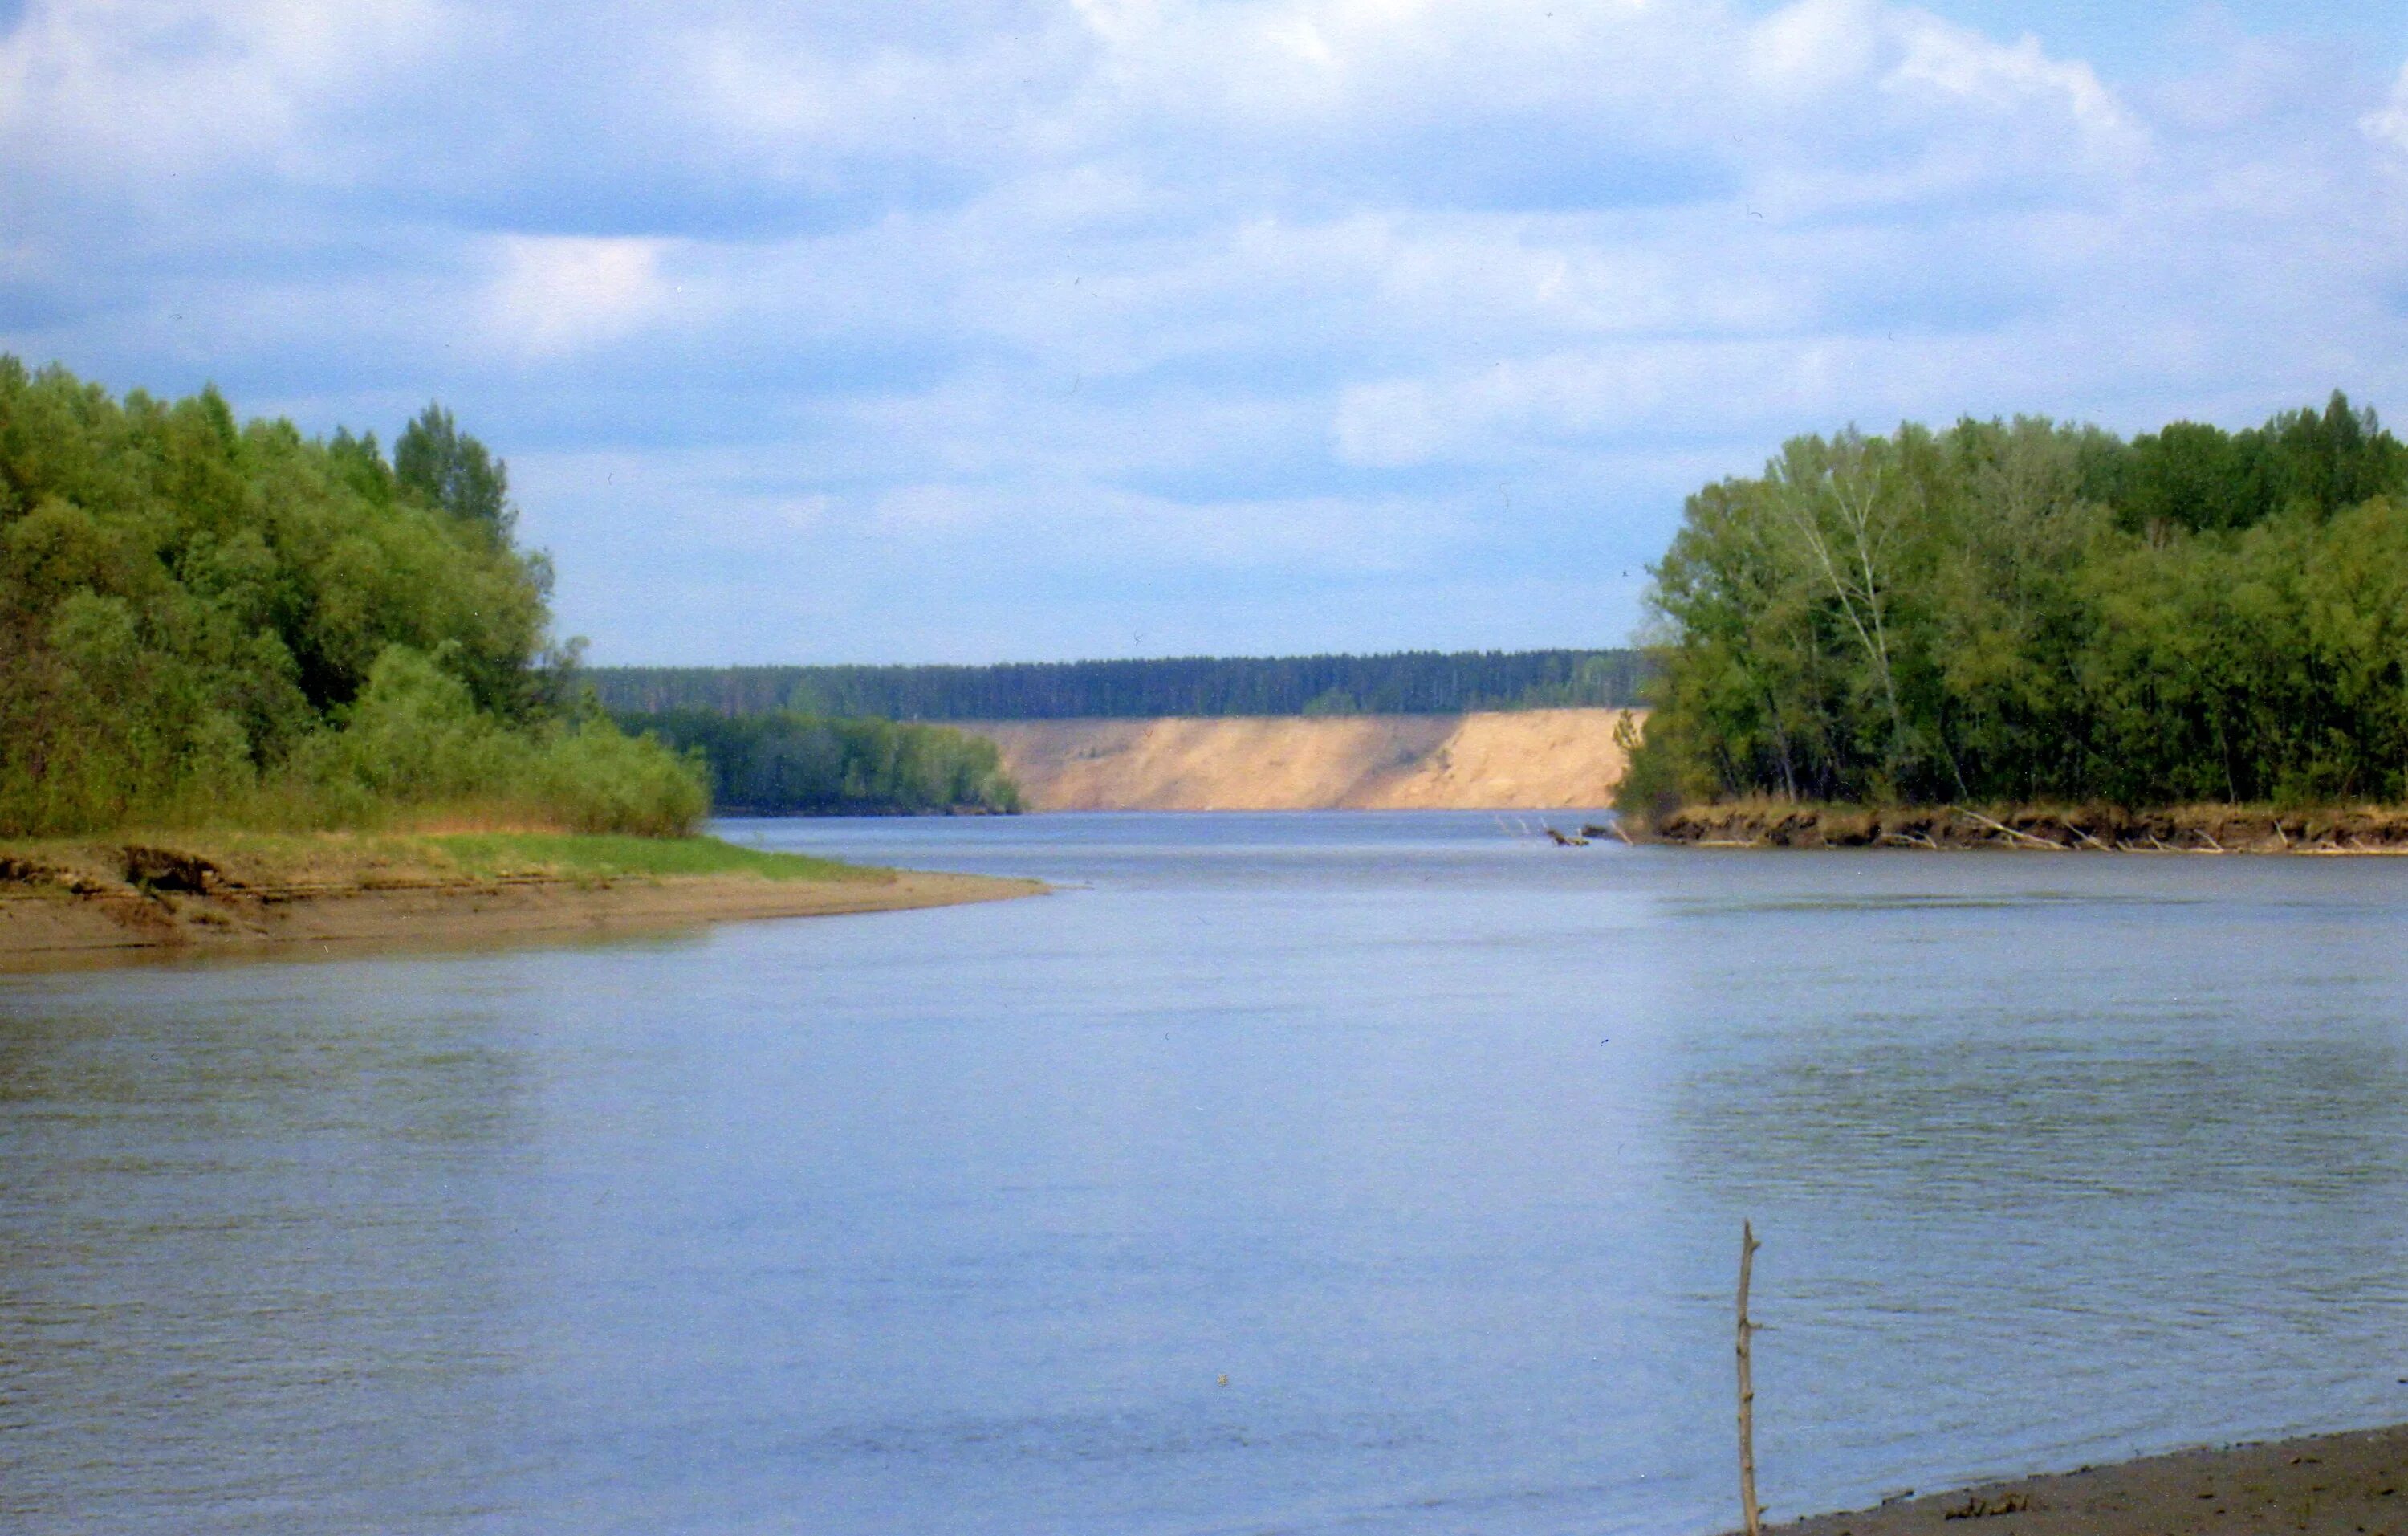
x=1519, y=760
x=2344, y=1485
x=64, y=916
x=2181, y=829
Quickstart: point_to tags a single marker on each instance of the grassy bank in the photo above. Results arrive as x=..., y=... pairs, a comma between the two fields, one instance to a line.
x=209, y=860
x=258, y=687
x=1767, y=823
x=101, y=900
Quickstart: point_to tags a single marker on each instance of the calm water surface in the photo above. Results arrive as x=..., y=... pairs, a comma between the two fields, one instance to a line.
x=1355, y=1172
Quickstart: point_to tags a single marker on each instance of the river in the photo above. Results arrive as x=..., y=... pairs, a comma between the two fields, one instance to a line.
x=1352, y=1173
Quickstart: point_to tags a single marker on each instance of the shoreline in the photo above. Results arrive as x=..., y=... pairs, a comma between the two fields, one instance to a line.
x=2180, y=829
x=120, y=904
x=2343, y=1483
x=1539, y=759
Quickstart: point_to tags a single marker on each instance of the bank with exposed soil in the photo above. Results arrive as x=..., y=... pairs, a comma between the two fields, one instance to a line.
x=73, y=903
x=2354, y=1484
x=2180, y=829
x=1493, y=760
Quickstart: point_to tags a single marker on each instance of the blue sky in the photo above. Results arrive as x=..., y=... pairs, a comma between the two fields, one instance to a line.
x=1006, y=329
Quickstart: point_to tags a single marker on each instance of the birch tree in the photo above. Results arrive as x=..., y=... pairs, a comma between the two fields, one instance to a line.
x=1846, y=503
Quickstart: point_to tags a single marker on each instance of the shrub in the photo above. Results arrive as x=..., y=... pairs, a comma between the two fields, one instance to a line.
x=207, y=621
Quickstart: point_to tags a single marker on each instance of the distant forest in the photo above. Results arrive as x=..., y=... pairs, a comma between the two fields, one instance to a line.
x=2031, y=612
x=778, y=763
x=1405, y=683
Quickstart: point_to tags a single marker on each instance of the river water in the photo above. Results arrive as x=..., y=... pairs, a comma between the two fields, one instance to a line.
x=1356, y=1172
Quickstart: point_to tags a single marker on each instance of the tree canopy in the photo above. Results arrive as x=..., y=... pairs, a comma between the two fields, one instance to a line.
x=780, y=763
x=1402, y=682
x=200, y=616
x=2025, y=610
x=450, y=469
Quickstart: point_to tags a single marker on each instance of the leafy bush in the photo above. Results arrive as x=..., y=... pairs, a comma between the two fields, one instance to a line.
x=594, y=778
x=413, y=736
x=205, y=618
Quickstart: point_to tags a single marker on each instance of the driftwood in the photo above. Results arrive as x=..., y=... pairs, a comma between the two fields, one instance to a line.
x=1975, y=1507
x=2001, y=826
x=2192, y=829
x=1749, y=1508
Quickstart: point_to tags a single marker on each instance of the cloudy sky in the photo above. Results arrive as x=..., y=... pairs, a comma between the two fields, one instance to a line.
x=856, y=330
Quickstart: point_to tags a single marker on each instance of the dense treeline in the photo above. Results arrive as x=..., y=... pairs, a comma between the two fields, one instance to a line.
x=2031, y=612
x=1406, y=682
x=207, y=620
x=782, y=763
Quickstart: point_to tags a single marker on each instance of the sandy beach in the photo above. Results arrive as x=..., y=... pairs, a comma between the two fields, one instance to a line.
x=2354, y=1484
x=1508, y=760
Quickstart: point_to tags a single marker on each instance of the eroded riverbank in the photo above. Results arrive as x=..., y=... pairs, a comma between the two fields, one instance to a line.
x=82, y=903
x=1508, y=760
x=2182, y=829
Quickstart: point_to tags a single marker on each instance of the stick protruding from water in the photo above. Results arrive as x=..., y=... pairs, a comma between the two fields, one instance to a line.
x=1750, y=1509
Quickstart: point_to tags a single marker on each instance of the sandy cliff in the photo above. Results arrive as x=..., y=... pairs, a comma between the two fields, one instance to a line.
x=1525, y=760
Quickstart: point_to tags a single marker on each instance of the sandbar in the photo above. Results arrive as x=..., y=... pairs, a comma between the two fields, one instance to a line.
x=88, y=912
x=2352, y=1484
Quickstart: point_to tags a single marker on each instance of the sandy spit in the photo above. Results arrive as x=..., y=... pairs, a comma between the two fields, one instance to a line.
x=1508, y=760
x=2343, y=1485
x=43, y=928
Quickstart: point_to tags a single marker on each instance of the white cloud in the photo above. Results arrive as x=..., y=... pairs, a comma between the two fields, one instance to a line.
x=1814, y=47
x=798, y=113
x=2387, y=125
x=1123, y=293
x=126, y=89
x=558, y=294
x=1975, y=70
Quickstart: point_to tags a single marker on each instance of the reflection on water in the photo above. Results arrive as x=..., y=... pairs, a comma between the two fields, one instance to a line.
x=1352, y=1172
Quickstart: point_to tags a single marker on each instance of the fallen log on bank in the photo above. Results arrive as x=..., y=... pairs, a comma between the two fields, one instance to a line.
x=2179, y=829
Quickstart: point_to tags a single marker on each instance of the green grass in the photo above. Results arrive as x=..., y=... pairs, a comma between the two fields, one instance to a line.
x=604, y=856
x=341, y=858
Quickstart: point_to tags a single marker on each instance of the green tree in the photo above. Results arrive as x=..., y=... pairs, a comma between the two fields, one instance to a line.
x=446, y=468
x=200, y=616
x=2028, y=610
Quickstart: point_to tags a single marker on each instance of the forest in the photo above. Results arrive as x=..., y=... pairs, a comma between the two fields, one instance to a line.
x=780, y=763
x=205, y=621
x=2033, y=612
x=1405, y=682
